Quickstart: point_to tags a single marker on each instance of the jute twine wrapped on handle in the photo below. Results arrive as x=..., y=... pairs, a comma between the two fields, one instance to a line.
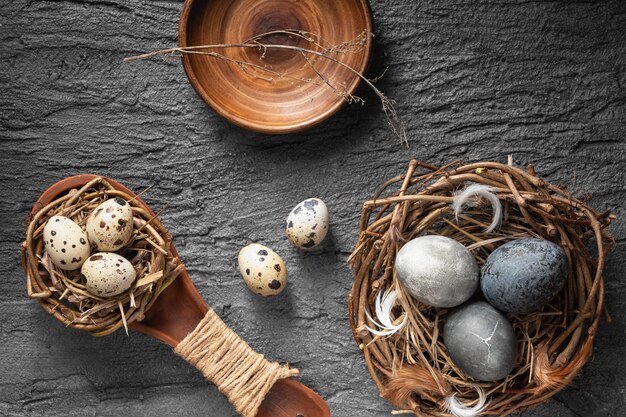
x=412, y=368
x=241, y=374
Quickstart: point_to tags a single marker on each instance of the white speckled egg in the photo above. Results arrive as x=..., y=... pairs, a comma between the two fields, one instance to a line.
x=110, y=225
x=107, y=274
x=262, y=269
x=307, y=224
x=437, y=271
x=65, y=242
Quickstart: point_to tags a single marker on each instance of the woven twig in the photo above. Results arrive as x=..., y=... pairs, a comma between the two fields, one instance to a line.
x=412, y=368
x=63, y=294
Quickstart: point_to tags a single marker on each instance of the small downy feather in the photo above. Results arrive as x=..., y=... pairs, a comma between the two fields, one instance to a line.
x=479, y=190
x=409, y=380
x=384, y=303
x=548, y=376
x=458, y=409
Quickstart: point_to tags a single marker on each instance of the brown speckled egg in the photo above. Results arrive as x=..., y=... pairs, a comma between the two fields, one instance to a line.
x=110, y=225
x=65, y=242
x=307, y=224
x=262, y=269
x=107, y=274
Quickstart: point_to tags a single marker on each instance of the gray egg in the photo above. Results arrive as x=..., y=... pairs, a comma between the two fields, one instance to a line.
x=524, y=275
x=480, y=341
x=437, y=271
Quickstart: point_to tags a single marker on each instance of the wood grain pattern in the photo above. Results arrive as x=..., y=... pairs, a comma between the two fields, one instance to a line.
x=253, y=98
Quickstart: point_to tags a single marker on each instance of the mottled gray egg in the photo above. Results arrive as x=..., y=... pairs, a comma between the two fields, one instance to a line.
x=524, y=275
x=480, y=341
x=65, y=242
x=110, y=225
x=262, y=269
x=437, y=270
x=307, y=224
x=107, y=274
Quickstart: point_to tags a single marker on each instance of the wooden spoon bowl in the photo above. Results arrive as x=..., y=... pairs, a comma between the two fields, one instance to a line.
x=256, y=99
x=180, y=308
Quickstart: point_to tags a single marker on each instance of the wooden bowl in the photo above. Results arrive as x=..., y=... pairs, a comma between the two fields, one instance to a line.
x=255, y=99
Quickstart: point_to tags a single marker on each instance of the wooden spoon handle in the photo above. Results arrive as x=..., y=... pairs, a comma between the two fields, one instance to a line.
x=183, y=320
x=241, y=374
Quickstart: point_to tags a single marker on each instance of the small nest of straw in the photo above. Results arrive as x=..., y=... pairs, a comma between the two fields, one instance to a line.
x=63, y=293
x=412, y=368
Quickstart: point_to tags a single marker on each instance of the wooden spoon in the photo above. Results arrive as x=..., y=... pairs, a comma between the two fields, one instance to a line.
x=180, y=308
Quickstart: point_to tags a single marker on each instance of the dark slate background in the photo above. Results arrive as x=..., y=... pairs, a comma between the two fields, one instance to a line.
x=475, y=80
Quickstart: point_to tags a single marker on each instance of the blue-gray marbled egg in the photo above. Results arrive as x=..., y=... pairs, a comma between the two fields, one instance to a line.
x=524, y=275
x=480, y=341
x=437, y=271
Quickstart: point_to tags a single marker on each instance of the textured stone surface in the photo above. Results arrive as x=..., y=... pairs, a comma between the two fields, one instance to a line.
x=543, y=81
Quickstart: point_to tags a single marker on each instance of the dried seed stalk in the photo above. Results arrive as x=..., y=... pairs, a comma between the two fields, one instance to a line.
x=324, y=50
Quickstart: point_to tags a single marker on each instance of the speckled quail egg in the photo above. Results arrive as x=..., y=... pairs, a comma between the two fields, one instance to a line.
x=110, y=225
x=107, y=274
x=307, y=224
x=66, y=243
x=262, y=269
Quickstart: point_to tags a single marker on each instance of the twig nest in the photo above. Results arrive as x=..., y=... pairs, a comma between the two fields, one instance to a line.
x=481, y=341
x=65, y=243
x=424, y=367
x=262, y=269
x=307, y=223
x=111, y=290
x=110, y=225
x=107, y=274
x=524, y=275
x=437, y=271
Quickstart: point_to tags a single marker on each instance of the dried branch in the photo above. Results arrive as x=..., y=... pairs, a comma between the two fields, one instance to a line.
x=327, y=51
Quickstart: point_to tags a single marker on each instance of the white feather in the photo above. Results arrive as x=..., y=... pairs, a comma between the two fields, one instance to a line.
x=479, y=190
x=458, y=409
x=384, y=304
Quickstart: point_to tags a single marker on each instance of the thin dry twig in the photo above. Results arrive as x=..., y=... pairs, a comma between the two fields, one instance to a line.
x=326, y=51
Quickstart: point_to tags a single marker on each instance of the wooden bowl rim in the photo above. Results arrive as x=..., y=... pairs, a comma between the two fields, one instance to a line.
x=260, y=127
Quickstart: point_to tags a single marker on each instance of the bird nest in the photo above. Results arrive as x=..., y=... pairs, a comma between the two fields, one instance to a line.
x=63, y=293
x=411, y=367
